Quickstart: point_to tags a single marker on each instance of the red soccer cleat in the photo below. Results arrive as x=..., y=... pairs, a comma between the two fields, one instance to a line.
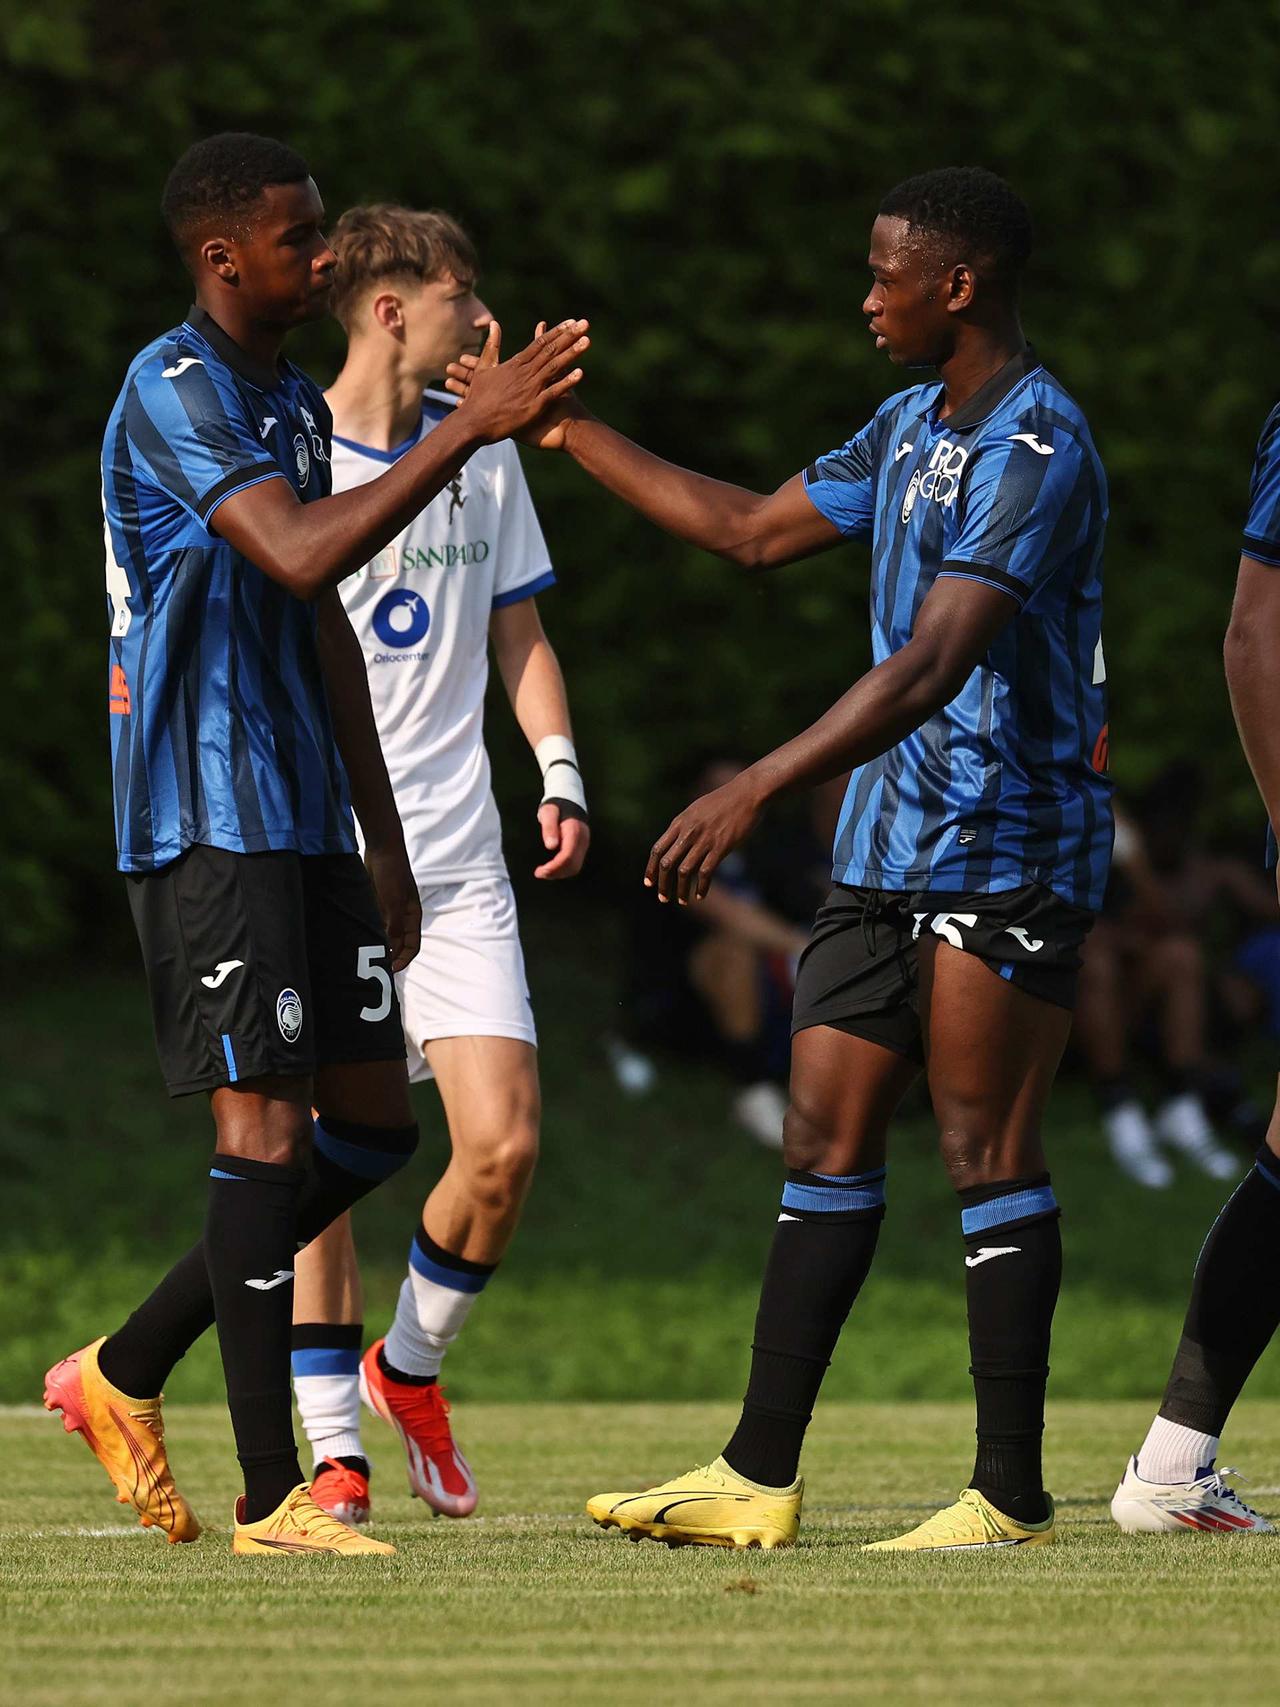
x=341, y=1491
x=438, y=1473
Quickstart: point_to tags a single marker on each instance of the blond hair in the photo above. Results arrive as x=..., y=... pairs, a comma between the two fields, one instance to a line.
x=386, y=242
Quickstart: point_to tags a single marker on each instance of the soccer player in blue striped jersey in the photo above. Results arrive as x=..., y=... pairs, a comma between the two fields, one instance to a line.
x=1172, y=1482
x=242, y=737
x=971, y=852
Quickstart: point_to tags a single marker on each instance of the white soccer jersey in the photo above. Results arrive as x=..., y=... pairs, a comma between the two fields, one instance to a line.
x=421, y=611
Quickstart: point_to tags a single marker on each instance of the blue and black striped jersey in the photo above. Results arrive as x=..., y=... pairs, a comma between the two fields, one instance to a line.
x=1007, y=784
x=220, y=727
x=1262, y=527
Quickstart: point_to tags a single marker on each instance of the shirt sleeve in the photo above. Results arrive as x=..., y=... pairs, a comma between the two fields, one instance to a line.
x=523, y=567
x=1024, y=507
x=1262, y=526
x=193, y=433
x=841, y=485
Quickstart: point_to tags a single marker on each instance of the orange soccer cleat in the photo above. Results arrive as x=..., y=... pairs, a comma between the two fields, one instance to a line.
x=126, y=1436
x=438, y=1473
x=341, y=1491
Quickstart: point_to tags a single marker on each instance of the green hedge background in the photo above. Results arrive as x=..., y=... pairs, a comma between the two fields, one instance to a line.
x=699, y=179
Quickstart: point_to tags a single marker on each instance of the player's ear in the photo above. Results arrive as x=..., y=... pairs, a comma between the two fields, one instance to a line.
x=216, y=254
x=962, y=283
x=388, y=312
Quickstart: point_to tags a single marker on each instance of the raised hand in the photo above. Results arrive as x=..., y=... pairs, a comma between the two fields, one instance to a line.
x=503, y=399
x=546, y=431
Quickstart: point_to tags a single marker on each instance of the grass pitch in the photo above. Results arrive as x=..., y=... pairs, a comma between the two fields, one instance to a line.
x=527, y=1602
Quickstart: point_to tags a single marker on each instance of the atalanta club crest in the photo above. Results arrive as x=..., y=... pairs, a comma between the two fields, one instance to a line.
x=289, y=1015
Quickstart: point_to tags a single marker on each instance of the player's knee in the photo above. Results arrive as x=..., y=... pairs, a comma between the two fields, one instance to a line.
x=371, y=1153
x=501, y=1177
x=808, y=1136
x=275, y=1132
x=500, y=1167
x=976, y=1153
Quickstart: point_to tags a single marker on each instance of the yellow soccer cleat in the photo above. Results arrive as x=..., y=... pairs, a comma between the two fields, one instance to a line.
x=710, y=1507
x=971, y=1522
x=299, y=1525
x=127, y=1438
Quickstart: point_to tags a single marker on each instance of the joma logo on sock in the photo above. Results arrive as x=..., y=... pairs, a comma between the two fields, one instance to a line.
x=277, y=1279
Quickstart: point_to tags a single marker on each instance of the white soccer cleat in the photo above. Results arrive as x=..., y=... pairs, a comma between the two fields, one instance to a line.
x=1133, y=1146
x=1184, y=1125
x=1207, y=1504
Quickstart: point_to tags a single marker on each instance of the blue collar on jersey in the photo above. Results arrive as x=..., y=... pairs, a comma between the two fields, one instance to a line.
x=988, y=398
x=433, y=412
x=240, y=361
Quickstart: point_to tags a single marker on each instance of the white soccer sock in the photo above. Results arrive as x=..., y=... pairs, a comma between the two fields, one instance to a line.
x=1173, y=1453
x=435, y=1300
x=329, y=1406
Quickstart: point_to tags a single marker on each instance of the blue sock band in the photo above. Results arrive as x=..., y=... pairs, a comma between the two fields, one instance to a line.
x=1005, y=1207
x=326, y=1348
x=433, y=1262
x=324, y=1360
x=369, y=1152
x=834, y=1194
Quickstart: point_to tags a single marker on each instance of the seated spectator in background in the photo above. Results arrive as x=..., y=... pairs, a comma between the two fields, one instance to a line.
x=715, y=980
x=1146, y=979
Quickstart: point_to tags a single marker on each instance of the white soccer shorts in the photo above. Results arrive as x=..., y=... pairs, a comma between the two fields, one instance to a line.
x=468, y=979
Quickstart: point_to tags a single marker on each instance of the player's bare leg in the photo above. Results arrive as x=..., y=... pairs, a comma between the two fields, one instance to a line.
x=489, y=1089
x=844, y=1090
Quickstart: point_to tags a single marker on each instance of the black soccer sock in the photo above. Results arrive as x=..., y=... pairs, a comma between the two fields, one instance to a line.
x=250, y=1240
x=821, y=1254
x=1013, y=1269
x=1235, y=1303
x=347, y=1162
x=139, y=1357
x=402, y=1375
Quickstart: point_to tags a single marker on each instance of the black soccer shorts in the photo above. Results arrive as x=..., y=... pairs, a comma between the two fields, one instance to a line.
x=859, y=971
x=263, y=963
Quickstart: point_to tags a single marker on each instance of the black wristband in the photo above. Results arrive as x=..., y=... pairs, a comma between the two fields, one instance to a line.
x=567, y=808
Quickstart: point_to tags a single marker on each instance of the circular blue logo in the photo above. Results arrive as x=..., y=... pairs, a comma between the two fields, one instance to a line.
x=401, y=618
x=289, y=1015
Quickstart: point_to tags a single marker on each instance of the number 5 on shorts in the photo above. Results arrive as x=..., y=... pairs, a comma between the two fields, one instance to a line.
x=368, y=967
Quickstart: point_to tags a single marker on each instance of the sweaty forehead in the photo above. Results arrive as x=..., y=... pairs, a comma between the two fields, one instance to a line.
x=899, y=246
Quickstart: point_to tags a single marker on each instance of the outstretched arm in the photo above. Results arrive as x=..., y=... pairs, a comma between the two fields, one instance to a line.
x=356, y=733
x=308, y=547
x=754, y=529
x=953, y=631
x=531, y=674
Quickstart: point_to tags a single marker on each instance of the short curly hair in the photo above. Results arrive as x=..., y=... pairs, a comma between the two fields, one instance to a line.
x=971, y=209
x=224, y=177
